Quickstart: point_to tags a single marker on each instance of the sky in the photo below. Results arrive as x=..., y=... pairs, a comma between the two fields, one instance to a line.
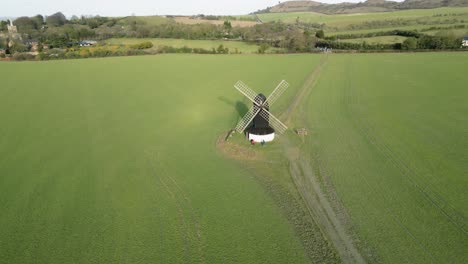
x=16, y=8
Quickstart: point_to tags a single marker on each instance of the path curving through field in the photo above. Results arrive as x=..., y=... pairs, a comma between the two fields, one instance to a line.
x=308, y=185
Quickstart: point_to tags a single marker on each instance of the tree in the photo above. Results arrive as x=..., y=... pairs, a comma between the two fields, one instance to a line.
x=3, y=43
x=263, y=48
x=25, y=24
x=320, y=34
x=227, y=25
x=57, y=19
x=222, y=50
x=296, y=42
x=38, y=20
x=410, y=44
x=18, y=47
x=75, y=19
x=3, y=25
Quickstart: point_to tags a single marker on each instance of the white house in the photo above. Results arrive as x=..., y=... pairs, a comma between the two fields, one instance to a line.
x=465, y=42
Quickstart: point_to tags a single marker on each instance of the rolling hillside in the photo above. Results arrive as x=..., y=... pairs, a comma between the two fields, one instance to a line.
x=364, y=7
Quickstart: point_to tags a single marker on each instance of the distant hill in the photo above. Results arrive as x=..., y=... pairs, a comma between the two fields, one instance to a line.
x=364, y=7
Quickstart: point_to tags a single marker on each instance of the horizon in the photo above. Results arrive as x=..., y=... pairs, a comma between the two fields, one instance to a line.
x=19, y=8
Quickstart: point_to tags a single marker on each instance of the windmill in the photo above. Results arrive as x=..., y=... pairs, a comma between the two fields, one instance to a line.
x=264, y=124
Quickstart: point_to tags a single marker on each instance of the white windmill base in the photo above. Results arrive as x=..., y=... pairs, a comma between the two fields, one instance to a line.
x=261, y=138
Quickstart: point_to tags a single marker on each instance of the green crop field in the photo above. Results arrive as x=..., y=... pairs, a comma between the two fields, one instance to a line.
x=377, y=40
x=241, y=47
x=114, y=160
x=119, y=160
x=389, y=132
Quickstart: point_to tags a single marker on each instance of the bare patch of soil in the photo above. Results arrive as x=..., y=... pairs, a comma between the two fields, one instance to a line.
x=238, y=152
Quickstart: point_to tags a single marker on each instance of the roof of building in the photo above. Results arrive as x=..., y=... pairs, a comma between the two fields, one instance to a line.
x=465, y=38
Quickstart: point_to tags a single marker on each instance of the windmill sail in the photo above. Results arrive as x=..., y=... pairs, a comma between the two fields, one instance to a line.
x=245, y=121
x=279, y=90
x=274, y=122
x=245, y=90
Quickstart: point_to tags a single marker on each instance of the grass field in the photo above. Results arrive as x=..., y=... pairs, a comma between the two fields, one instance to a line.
x=381, y=21
x=234, y=23
x=147, y=20
x=425, y=29
x=114, y=160
x=347, y=19
x=377, y=40
x=242, y=47
x=389, y=132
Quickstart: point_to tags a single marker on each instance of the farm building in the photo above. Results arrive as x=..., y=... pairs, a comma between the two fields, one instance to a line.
x=465, y=42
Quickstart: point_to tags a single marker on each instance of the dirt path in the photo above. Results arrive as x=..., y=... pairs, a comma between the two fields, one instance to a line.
x=309, y=186
x=304, y=91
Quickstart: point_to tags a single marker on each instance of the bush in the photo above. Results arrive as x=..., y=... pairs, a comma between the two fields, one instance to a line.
x=143, y=45
x=410, y=44
x=23, y=56
x=320, y=34
x=222, y=50
x=19, y=47
x=263, y=48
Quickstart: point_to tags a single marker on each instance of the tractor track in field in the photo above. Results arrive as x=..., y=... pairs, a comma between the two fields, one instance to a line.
x=309, y=187
x=446, y=209
x=191, y=226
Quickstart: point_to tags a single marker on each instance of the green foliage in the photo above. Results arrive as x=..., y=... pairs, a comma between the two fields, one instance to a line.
x=263, y=48
x=410, y=44
x=3, y=43
x=3, y=25
x=55, y=20
x=320, y=34
x=143, y=45
x=55, y=40
x=227, y=25
x=18, y=47
x=38, y=21
x=222, y=50
x=439, y=42
x=25, y=24
x=18, y=56
x=396, y=32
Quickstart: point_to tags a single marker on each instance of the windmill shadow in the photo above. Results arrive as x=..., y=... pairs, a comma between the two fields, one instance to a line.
x=241, y=107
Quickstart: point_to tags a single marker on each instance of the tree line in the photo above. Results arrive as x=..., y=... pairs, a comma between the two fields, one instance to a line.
x=56, y=31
